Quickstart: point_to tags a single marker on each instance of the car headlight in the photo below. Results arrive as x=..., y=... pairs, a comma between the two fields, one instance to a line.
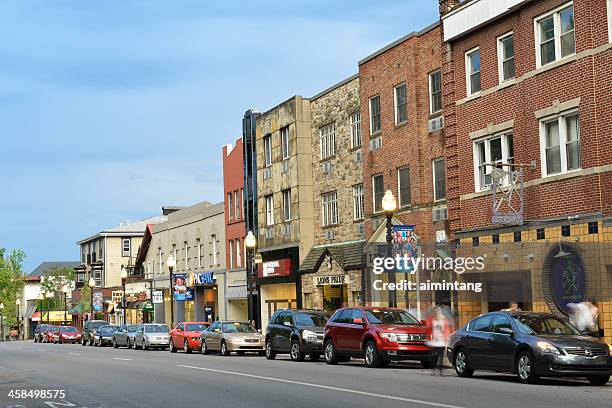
x=195, y=338
x=389, y=336
x=546, y=347
x=309, y=335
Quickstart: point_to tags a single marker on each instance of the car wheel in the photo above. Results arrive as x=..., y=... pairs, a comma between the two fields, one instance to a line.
x=525, y=368
x=135, y=345
x=240, y=353
x=598, y=379
x=127, y=343
x=295, y=352
x=143, y=345
x=186, y=347
x=331, y=356
x=461, y=364
x=224, y=350
x=270, y=353
x=203, y=348
x=427, y=364
x=91, y=342
x=261, y=353
x=314, y=356
x=83, y=342
x=115, y=345
x=373, y=358
x=172, y=347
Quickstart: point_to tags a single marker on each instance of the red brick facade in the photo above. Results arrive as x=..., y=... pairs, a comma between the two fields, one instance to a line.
x=233, y=184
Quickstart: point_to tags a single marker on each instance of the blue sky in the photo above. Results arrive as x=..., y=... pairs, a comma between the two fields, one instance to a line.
x=111, y=109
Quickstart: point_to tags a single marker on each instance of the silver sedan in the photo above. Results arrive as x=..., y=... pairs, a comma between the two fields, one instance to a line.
x=152, y=336
x=227, y=336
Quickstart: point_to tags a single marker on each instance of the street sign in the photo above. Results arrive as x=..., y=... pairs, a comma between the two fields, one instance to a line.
x=158, y=296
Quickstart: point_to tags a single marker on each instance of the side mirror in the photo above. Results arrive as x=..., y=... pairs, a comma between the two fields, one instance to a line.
x=358, y=321
x=217, y=331
x=424, y=322
x=506, y=330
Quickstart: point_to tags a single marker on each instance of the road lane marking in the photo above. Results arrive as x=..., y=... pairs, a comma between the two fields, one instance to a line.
x=74, y=354
x=122, y=359
x=326, y=387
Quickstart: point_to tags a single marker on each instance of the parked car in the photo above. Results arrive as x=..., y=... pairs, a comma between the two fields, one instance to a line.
x=152, y=335
x=531, y=345
x=378, y=335
x=296, y=332
x=227, y=336
x=124, y=336
x=89, y=328
x=49, y=334
x=104, y=335
x=186, y=335
x=67, y=334
x=38, y=332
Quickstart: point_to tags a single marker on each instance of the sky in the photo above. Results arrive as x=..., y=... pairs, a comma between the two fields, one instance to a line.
x=111, y=109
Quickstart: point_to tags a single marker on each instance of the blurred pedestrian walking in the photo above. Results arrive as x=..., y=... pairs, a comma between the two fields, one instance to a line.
x=440, y=331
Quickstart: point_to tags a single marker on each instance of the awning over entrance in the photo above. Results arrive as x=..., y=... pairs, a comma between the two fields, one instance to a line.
x=236, y=292
x=349, y=255
x=30, y=310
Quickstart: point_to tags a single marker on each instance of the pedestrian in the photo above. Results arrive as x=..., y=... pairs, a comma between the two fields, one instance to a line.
x=439, y=339
x=512, y=307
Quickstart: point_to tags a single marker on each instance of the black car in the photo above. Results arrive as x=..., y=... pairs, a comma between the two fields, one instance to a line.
x=38, y=332
x=104, y=335
x=89, y=329
x=531, y=345
x=297, y=332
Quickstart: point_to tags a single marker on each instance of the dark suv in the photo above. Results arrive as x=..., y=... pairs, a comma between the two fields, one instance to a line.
x=89, y=329
x=379, y=335
x=297, y=332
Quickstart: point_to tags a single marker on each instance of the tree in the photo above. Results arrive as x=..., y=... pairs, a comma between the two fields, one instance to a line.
x=11, y=283
x=54, y=281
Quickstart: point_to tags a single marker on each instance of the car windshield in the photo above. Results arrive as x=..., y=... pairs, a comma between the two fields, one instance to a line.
x=95, y=325
x=238, y=327
x=195, y=327
x=161, y=328
x=544, y=325
x=390, y=316
x=132, y=328
x=68, y=329
x=108, y=329
x=310, y=319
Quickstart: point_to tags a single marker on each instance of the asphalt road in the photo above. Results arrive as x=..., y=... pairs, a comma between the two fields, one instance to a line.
x=104, y=377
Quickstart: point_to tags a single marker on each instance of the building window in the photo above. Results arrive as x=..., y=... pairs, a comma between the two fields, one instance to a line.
x=237, y=203
x=494, y=150
x=378, y=191
x=230, y=206
x=186, y=255
x=213, y=239
x=495, y=238
x=101, y=248
x=517, y=236
x=565, y=231
x=231, y=254
x=375, y=124
x=560, y=144
x=355, y=120
x=540, y=233
x=201, y=255
x=593, y=227
x=287, y=205
x=80, y=277
x=403, y=186
x=472, y=69
x=238, y=254
x=267, y=141
x=327, y=140
x=401, y=104
x=329, y=206
x=284, y=132
x=475, y=241
x=555, y=37
x=199, y=249
x=439, y=179
x=505, y=55
x=435, y=91
x=269, y=210
x=126, y=247
x=358, y=202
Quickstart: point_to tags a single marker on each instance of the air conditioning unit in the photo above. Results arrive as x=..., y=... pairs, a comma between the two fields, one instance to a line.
x=435, y=124
x=267, y=173
x=360, y=229
x=329, y=234
x=285, y=167
x=358, y=156
x=326, y=167
x=269, y=234
x=375, y=144
x=439, y=214
x=287, y=230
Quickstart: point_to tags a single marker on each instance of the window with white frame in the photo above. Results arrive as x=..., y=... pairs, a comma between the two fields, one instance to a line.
x=230, y=206
x=201, y=255
x=505, y=56
x=497, y=149
x=199, y=249
x=435, y=91
x=375, y=120
x=560, y=144
x=186, y=255
x=378, y=191
x=472, y=70
x=238, y=253
x=160, y=260
x=231, y=253
x=269, y=210
x=287, y=205
x=329, y=207
x=267, y=141
x=439, y=179
x=327, y=140
x=238, y=204
x=213, y=242
x=401, y=104
x=555, y=36
x=403, y=186
x=126, y=247
x=355, y=121
x=284, y=132
x=358, y=202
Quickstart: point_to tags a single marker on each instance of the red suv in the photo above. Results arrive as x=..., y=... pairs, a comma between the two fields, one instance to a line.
x=379, y=335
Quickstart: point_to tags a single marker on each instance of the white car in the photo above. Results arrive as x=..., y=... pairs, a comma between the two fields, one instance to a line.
x=152, y=335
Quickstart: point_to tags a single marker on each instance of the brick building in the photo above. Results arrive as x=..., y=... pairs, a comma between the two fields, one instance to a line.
x=331, y=272
x=528, y=83
x=403, y=150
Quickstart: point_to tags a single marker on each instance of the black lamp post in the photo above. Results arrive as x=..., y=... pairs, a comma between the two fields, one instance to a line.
x=65, y=289
x=171, y=264
x=1, y=322
x=48, y=296
x=92, y=284
x=251, y=244
x=17, y=303
x=389, y=205
x=124, y=275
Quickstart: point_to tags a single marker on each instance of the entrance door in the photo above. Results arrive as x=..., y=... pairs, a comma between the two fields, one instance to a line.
x=500, y=293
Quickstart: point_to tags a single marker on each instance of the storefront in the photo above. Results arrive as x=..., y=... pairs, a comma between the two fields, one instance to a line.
x=203, y=305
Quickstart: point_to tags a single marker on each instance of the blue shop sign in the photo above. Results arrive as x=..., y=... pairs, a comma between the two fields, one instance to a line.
x=567, y=276
x=203, y=278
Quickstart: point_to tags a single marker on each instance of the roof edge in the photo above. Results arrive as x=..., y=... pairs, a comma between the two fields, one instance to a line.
x=335, y=86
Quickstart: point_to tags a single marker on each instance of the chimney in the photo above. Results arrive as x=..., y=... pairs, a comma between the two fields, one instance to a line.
x=447, y=5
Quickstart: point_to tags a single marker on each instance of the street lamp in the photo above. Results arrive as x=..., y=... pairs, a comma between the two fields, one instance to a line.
x=251, y=244
x=124, y=275
x=1, y=323
x=48, y=295
x=41, y=297
x=92, y=285
x=65, y=289
x=18, y=302
x=171, y=264
x=389, y=205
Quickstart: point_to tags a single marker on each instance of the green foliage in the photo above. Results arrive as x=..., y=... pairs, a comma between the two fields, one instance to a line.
x=11, y=282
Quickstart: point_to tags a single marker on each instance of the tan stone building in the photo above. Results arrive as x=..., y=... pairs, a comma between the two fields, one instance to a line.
x=285, y=202
x=331, y=273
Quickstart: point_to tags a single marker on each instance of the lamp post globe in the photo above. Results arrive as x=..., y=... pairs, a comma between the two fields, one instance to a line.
x=124, y=273
x=250, y=241
x=18, y=302
x=92, y=282
x=389, y=203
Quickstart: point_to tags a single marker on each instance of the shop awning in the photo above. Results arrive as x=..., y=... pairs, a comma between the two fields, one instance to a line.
x=236, y=292
x=349, y=255
x=30, y=310
x=76, y=310
x=36, y=317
